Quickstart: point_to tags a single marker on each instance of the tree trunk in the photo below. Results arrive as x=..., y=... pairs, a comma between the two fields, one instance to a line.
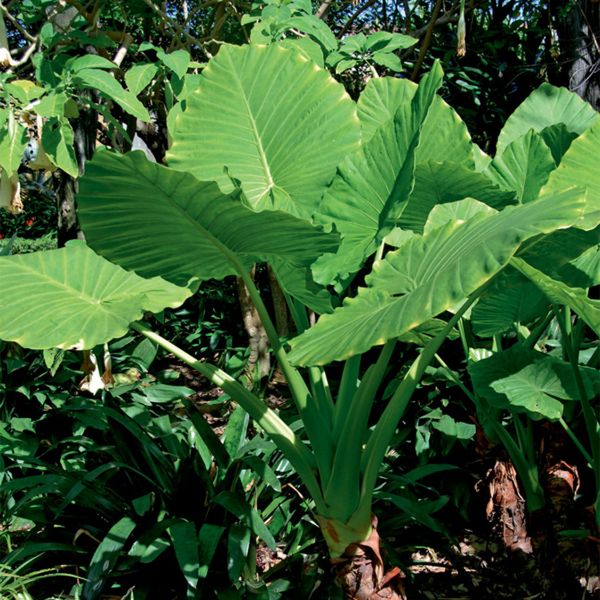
x=85, y=140
x=579, y=37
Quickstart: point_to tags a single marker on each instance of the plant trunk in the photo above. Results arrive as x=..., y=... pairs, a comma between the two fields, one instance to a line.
x=259, y=360
x=506, y=507
x=360, y=571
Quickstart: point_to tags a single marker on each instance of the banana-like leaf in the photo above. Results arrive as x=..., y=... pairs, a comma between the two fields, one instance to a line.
x=560, y=293
x=444, y=134
x=523, y=166
x=158, y=221
x=546, y=106
x=74, y=298
x=276, y=121
x=579, y=166
x=372, y=185
x=430, y=274
x=437, y=183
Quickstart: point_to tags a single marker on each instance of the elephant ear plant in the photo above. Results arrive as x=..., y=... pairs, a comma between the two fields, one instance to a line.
x=271, y=161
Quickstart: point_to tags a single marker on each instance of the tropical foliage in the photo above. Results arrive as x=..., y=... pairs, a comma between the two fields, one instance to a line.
x=397, y=244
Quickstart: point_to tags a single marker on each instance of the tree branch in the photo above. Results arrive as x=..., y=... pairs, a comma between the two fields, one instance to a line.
x=355, y=14
x=17, y=25
x=172, y=24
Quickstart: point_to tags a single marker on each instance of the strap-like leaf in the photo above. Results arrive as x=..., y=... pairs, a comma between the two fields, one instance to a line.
x=155, y=220
x=74, y=298
x=276, y=121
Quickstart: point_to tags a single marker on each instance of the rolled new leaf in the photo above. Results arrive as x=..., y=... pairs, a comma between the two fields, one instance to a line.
x=73, y=298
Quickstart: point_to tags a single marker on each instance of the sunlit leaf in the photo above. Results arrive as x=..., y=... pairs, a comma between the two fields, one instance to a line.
x=72, y=297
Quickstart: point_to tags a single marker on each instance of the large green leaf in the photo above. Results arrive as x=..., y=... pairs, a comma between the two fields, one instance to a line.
x=546, y=106
x=552, y=253
x=560, y=293
x=558, y=138
x=74, y=298
x=523, y=166
x=372, y=185
x=158, y=221
x=278, y=123
x=511, y=298
x=529, y=381
x=439, y=183
x=296, y=280
x=444, y=135
x=430, y=274
x=579, y=166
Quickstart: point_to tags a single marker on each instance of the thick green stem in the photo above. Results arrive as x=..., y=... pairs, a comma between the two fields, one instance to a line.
x=286, y=440
x=386, y=426
x=536, y=334
x=527, y=472
x=577, y=443
x=591, y=422
x=312, y=415
x=342, y=493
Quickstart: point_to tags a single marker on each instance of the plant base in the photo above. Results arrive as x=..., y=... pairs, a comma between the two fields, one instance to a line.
x=360, y=572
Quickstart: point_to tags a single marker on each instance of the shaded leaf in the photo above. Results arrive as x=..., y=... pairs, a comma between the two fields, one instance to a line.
x=106, y=556
x=560, y=293
x=57, y=140
x=523, y=166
